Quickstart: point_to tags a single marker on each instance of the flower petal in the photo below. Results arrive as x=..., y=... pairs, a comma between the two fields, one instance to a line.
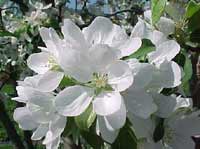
x=142, y=30
x=166, y=105
x=73, y=35
x=40, y=132
x=107, y=103
x=54, y=144
x=101, y=56
x=22, y=95
x=140, y=71
x=107, y=132
x=73, y=101
x=23, y=116
x=168, y=76
x=165, y=25
x=98, y=31
x=51, y=40
x=157, y=37
x=117, y=119
x=38, y=62
x=143, y=128
x=130, y=46
x=56, y=128
x=77, y=65
x=139, y=103
x=50, y=81
x=167, y=50
x=120, y=76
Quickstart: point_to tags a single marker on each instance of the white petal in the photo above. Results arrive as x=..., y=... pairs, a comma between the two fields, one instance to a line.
x=158, y=37
x=38, y=62
x=117, y=119
x=23, y=117
x=130, y=46
x=147, y=15
x=38, y=98
x=22, y=95
x=51, y=39
x=73, y=101
x=56, y=128
x=73, y=35
x=140, y=71
x=101, y=56
x=183, y=102
x=107, y=103
x=50, y=81
x=41, y=115
x=139, y=103
x=120, y=76
x=107, y=132
x=77, y=65
x=117, y=36
x=40, y=132
x=31, y=81
x=98, y=31
x=54, y=144
x=167, y=50
x=165, y=25
x=142, y=30
x=143, y=128
x=166, y=105
x=169, y=75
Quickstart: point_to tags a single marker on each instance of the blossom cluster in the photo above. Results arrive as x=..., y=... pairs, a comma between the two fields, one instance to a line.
x=118, y=88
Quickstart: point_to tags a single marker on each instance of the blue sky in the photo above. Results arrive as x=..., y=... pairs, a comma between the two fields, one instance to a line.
x=72, y=3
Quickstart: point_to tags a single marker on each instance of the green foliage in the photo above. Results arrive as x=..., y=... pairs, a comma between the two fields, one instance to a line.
x=159, y=130
x=146, y=47
x=192, y=8
x=85, y=120
x=126, y=138
x=157, y=9
x=184, y=60
x=8, y=89
x=92, y=139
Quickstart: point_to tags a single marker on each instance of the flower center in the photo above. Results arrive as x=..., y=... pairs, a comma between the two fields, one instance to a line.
x=52, y=64
x=100, y=80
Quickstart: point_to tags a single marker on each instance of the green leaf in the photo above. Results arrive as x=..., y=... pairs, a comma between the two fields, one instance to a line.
x=8, y=89
x=66, y=81
x=192, y=8
x=185, y=62
x=85, y=120
x=4, y=33
x=126, y=139
x=193, y=22
x=92, y=139
x=187, y=74
x=146, y=47
x=157, y=9
x=159, y=131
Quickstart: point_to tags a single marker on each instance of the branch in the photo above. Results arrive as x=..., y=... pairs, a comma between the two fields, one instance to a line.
x=133, y=10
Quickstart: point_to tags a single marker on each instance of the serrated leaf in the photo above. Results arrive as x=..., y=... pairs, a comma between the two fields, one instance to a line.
x=85, y=120
x=157, y=9
x=192, y=8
